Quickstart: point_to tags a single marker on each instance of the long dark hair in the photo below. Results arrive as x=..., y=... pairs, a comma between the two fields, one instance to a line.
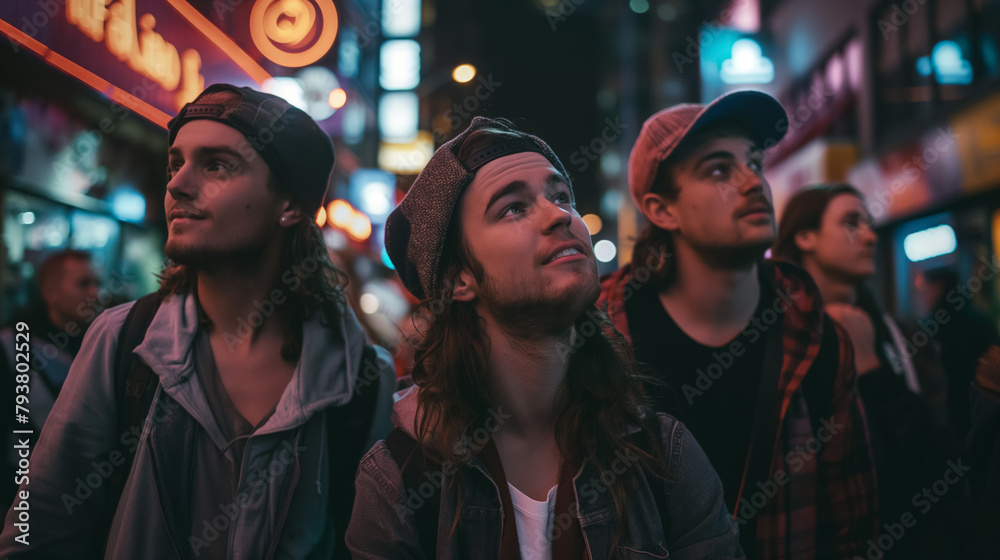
x=600, y=401
x=654, y=248
x=804, y=212
x=318, y=287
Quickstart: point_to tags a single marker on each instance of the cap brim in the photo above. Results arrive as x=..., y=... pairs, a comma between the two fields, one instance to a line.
x=757, y=112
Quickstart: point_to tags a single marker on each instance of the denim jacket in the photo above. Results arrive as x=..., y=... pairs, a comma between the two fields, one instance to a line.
x=383, y=524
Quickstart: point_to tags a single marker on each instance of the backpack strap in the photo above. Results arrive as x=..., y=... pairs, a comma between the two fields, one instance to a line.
x=347, y=429
x=413, y=466
x=135, y=385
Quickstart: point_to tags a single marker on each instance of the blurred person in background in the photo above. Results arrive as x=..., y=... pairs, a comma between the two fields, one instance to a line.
x=68, y=289
x=526, y=435
x=965, y=334
x=983, y=449
x=827, y=230
x=761, y=375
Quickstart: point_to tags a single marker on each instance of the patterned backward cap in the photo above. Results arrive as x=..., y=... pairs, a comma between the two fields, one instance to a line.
x=415, y=231
x=298, y=152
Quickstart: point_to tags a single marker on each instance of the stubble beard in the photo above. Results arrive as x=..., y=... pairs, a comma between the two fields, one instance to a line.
x=525, y=311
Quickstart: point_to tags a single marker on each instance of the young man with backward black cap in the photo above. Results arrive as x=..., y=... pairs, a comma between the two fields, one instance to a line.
x=517, y=441
x=744, y=352
x=224, y=416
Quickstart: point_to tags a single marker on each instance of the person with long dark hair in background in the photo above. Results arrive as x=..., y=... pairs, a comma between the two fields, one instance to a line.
x=828, y=231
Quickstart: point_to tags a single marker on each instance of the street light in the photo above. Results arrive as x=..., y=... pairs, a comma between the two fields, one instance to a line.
x=463, y=73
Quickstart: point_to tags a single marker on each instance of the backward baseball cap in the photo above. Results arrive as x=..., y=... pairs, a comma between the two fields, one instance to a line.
x=295, y=148
x=415, y=231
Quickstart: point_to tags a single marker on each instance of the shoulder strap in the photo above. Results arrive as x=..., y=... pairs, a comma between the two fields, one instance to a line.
x=135, y=385
x=413, y=466
x=347, y=430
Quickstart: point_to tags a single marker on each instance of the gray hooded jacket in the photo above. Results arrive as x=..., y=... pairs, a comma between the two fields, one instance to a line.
x=283, y=483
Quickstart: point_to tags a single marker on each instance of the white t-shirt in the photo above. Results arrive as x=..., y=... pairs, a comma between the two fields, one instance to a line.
x=534, y=523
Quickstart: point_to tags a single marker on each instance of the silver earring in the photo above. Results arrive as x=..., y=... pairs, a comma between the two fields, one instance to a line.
x=283, y=220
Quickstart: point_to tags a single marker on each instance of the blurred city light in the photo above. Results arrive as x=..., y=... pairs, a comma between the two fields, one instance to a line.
x=386, y=260
x=947, y=64
x=929, y=243
x=594, y=223
x=339, y=213
x=605, y=250
x=373, y=191
x=463, y=73
x=128, y=205
x=407, y=158
x=401, y=18
x=369, y=303
x=639, y=6
x=337, y=98
x=321, y=217
x=748, y=64
x=288, y=89
x=26, y=218
x=398, y=116
x=360, y=227
x=318, y=84
x=399, y=64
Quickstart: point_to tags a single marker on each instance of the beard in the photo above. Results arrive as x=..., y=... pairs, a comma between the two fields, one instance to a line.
x=525, y=310
x=207, y=256
x=737, y=257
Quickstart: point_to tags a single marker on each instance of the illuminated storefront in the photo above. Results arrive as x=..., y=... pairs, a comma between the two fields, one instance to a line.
x=88, y=88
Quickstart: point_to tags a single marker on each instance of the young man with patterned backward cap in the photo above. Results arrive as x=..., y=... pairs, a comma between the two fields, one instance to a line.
x=525, y=435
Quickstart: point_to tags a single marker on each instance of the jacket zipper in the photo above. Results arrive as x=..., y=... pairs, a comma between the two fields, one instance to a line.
x=288, y=503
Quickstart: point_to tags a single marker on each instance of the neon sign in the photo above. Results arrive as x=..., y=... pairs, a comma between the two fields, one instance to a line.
x=283, y=29
x=142, y=48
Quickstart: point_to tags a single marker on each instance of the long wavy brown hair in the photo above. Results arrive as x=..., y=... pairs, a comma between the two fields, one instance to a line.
x=320, y=284
x=601, y=398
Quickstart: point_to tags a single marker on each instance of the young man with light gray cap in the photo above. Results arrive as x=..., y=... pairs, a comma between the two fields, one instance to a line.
x=525, y=436
x=745, y=354
x=225, y=415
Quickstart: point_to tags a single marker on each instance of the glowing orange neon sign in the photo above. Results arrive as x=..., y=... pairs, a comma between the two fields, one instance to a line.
x=142, y=48
x=284, y=29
